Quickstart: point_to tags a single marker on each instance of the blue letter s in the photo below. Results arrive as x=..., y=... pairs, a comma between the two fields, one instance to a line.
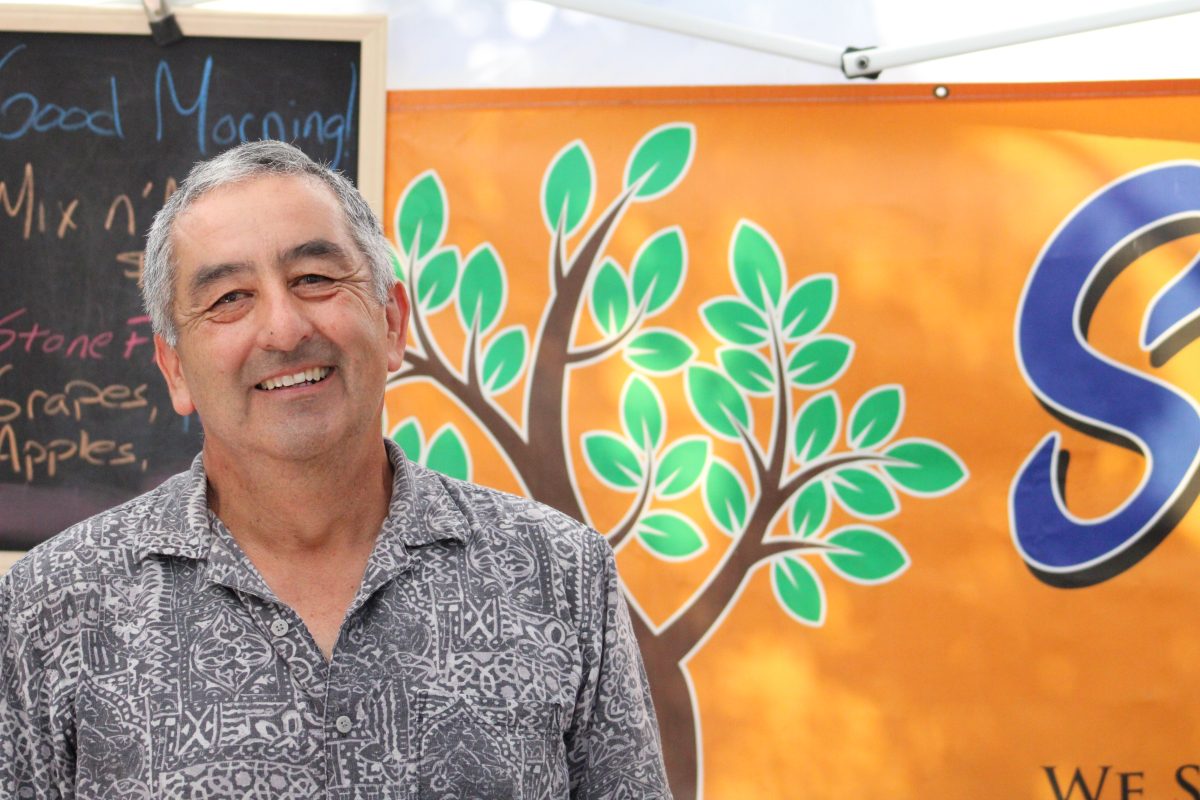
x=1098, y=396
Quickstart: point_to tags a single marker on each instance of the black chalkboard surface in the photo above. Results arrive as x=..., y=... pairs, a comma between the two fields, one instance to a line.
x=95, y=129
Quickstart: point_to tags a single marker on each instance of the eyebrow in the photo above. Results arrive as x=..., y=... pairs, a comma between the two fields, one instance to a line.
x=208, y=275
x=315, y=248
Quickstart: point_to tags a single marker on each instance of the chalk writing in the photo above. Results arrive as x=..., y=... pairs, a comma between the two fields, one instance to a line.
x=122, y=217
x=24, y=199
x=242, y=127
x=76, y=397
x=21, y=333
x=79, y=401
x=24, y=202
x=30, y=458
x=23, y=112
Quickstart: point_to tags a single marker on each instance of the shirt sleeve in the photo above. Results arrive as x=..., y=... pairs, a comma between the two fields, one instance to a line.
x=31, y=764
x=613, y=746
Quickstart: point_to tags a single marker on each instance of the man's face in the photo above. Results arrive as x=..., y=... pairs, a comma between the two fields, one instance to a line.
x=271, y=290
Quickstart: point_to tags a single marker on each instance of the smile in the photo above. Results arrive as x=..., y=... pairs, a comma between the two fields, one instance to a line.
x=311, y=375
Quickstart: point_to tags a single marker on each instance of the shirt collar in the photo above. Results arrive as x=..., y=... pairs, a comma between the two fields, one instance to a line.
x=179, y=524
x=421, y=512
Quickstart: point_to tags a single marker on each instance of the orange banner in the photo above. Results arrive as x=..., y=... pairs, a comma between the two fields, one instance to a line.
x=886, y=401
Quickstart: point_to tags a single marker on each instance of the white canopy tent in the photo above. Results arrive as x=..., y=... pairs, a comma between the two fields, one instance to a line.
x=512, y=43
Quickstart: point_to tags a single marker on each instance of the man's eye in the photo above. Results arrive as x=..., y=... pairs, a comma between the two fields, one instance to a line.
x=311, y=280
x=229, y=297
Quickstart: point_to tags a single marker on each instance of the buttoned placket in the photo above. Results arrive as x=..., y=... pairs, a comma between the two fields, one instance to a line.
x=347, y=700
x=282, y=629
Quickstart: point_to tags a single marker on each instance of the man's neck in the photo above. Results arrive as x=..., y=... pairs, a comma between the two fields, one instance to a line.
x=326, y=505
x=308, y=528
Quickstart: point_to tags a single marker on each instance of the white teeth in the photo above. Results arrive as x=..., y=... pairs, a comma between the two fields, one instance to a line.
x=311, y=375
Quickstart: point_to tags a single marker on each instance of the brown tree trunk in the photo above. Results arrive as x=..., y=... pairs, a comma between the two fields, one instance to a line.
x=674, y=705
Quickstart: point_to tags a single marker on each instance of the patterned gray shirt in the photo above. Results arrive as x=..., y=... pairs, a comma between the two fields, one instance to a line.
x=487, y=654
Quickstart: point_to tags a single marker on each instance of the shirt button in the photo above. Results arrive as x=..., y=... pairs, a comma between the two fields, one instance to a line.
x=279, y=628
x=343, y=724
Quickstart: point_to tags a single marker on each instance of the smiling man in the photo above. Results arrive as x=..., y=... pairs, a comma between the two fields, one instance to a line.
x=306, y=614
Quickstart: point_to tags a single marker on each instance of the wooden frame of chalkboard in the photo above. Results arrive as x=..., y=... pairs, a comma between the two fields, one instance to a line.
x=85, y=422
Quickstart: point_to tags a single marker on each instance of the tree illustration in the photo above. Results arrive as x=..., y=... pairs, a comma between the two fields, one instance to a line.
x=768, y=481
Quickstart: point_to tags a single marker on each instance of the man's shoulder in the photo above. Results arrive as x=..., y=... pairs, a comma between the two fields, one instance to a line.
x=104, y=544
x=495, y=515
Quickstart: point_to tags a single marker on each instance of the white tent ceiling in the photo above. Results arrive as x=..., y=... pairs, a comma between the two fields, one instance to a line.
x=504, y=43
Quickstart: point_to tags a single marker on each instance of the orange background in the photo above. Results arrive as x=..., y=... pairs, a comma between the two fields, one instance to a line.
x=966, y=675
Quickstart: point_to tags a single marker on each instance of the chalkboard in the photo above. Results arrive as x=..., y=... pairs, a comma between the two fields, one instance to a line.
x=95, y=129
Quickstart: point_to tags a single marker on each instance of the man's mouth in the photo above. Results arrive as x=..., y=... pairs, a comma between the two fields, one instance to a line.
x=306, y=376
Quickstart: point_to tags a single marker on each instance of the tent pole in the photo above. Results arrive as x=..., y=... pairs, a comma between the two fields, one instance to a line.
x=868, y=62
x=863, y=63
x=676, y=22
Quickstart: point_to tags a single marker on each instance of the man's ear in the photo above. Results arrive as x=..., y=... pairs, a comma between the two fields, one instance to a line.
x=171, y=368
x=397, y=326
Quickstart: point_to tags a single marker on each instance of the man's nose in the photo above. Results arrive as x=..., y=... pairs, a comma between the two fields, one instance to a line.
x=284, y=321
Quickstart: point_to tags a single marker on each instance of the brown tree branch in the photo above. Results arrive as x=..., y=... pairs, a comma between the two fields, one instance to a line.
x=635, y=512
x=783, y=411
x=576, y=356
x=490, y=417
x=546, y=472
x=825, y=465
x=756, y=455
x=471, y=369
x=747, y=551
x=558, y=252
x=778, y=547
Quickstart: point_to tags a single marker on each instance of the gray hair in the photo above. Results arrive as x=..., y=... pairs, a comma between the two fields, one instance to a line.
x=250, y=160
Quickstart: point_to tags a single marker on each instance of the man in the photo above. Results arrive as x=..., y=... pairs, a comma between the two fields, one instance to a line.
x=305, y=614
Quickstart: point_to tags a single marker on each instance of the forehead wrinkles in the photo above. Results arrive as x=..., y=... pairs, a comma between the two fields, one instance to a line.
x=309, y=223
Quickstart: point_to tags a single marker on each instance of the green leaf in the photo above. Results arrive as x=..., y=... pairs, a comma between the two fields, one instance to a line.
x=670, y=535
x=658, y=269
x=864, y=493
x=810, y=510
x=817, y=426
x=642, y=413
x=757, y=265
x=717, y=401
x=873, y=557
x=928, y=468
x=435, y=284
x=748, y=369
x=569, y=184
x=820, y=362
x=663, y=157
x=681, y=466
x=725, y=497
x=659, y=350
x=481, y=291
x=798, y=590
x=610, y=298
x=735, y=321
x=421, y=214
x=876, y=417
x=504, y=359
x=448, y=454
x=408, y=435
x=809, y=306
x=612, y=460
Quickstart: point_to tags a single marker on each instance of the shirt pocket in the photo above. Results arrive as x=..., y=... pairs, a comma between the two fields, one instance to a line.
x=485, y=748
